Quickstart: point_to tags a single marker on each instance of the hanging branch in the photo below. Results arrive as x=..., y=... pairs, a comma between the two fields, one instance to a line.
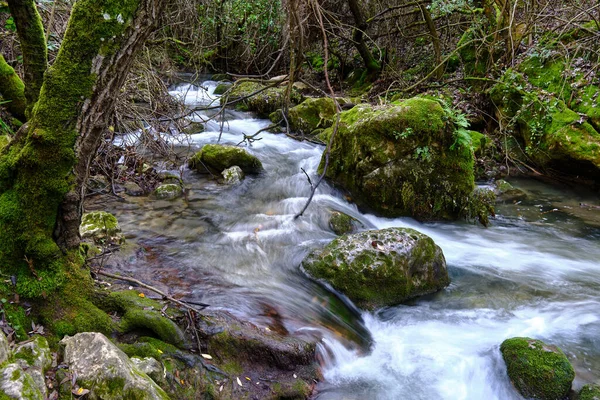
x=319, y=15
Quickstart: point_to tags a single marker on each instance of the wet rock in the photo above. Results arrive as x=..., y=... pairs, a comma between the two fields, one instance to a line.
x=262, y=100
x=133, y=189
x=311, y=114
x=507, y=192
x=536, y=369
x=100, y=226
x=168, y=191
x=193, y=127
x=220, y=77
x=222, y=87
x=232, y=175
x=16, y=384
x=106, y=371
x=380, y=268
x=218, y=157
x=403, y=159
x=169, y=177
x=589, y=392
x=34, y=356
x=341, y=223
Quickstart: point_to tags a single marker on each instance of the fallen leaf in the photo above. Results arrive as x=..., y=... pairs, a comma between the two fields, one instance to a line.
x=295, y=376
x=159, y=351
x=248, y=379
x=238, y=381
x=221, y=388
x=80, y=391
x=142, y=295
x=206, y=356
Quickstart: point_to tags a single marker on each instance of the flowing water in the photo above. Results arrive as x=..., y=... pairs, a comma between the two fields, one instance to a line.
x=535, y=272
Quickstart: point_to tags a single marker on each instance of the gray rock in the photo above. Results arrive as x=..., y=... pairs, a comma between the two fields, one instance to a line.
x=104, y=369
x=34, y=356
x=381, y=268
x=133, y=189
x=16, y=384
x=100, y=225
x=151, y=367
x=4, y=352
x=168, y=191
x=232, y=175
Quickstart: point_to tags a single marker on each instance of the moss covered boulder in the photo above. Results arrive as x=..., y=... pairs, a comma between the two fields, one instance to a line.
x=100, y=226
x=262, y=99
x=536, y=369
x=106, y=371
x=17, y=384
x=403, y=159
x=312, y=114
x=380, y=268
x=215, y=158
x=589, y=392
x=342, y=224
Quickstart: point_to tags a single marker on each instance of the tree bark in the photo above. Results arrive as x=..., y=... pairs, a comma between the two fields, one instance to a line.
x=435, y=40
x=358, y=36
x=42, y=171
x=33, y=47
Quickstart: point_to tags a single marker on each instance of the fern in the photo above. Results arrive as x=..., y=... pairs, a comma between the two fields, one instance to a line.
x=461, y=124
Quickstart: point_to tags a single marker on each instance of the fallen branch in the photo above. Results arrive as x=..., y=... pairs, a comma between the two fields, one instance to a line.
x=152, y=288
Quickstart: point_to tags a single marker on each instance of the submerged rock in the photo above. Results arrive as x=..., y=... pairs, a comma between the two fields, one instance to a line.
x=168, y=191
x=100, y=225
x=218, y=157
x=536, y=369
x=106, y=371
x=507, y=192
x=133, y=189
x=232, y=175
x=381, y=268
x=404, y=159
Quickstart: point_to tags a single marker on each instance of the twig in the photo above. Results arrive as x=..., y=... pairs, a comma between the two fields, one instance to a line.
x=152, y=288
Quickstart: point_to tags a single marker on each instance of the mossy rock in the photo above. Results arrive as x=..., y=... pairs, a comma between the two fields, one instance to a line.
x=218, y=157
x=193, y=127
x=589, y=392
x=311, y=114
x=222, y=88
x=17, y=384
x=402, y=160
x=380, y=268
x=507, y=192
x=266, y=101
x=342, y=224
x=168, y=191
x=100, y=225
x=537, y=370
x=552, y=135
x=141, y=313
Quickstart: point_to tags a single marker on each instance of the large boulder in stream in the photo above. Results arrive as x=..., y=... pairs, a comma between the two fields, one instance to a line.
x=215, y=158
x=536, y=369
x=260, y=98
x=408, y=158
x=312, y=114
x=380, y=268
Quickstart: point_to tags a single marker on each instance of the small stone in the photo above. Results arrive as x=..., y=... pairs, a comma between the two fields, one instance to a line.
x=341, y=223
x=150, y=367
x=232, y=175
x=217, y=157
x=17, y=384
x=168, y=191
x=133, y=189
x=100, y=225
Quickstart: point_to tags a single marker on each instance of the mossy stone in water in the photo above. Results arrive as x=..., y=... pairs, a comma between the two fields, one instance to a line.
x=341, y=223
x=222, y=88
x=100, y=225
x=218, y=157
x=168, y=191
x=380, y=268
x=311, y=114
x=589, y=392
x=537, y=370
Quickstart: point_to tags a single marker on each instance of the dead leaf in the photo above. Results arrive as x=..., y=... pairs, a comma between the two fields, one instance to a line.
x=238, y=381
x=206, y=356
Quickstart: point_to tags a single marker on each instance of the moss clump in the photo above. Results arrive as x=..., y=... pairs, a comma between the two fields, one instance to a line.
x=168, y=191
x=341, y=223
x=589, y=392
x=403, y=159
x=217, y=157
x=141, y=313
x=266, y=101
x=537, y=370
x=222, y=88
x=312, y=114
x=380, y=268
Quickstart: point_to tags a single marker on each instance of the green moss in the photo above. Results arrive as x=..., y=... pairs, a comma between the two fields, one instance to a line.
x=217, y=157
x=537, y=370
x=341, y=223
x=16, y=317
x=168, y=191
x=222, y=88
x=589, y=392
x=100, y=225
x=311, y=114
x=12, y=89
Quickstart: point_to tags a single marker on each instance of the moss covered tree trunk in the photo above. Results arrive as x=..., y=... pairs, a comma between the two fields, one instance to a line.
x=33, y=47
x=12, y=90
x=43, y=170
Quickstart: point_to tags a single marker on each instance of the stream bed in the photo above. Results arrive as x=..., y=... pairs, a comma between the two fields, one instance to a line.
x=534, y=272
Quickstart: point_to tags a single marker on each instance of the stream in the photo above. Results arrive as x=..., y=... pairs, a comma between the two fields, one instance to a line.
x=534, y=272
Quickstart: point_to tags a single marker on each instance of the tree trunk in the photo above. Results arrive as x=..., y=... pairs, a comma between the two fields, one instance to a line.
x=12, y=90
x=358, y=36
x=43, y=170
x=33, y=47
x=435, y=40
